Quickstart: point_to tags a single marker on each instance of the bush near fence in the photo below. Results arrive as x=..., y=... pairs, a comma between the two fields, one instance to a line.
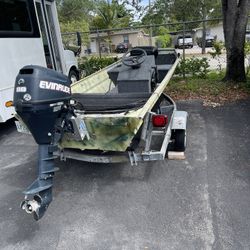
x=195, y=67
x=90, y=65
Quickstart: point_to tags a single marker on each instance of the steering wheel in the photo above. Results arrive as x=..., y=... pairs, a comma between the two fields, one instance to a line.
x=134, y=61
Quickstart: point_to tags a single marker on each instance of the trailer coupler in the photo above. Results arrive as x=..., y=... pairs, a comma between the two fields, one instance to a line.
x=41, y=188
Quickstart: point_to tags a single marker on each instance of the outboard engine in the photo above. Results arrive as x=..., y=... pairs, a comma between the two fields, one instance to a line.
x=41, y=99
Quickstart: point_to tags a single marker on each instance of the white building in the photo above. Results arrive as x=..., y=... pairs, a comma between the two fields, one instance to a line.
x=215, y=30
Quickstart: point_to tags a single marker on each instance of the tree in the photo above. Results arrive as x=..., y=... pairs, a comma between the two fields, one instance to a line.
x=235, y=16
x=110, y=14
x=73, y=10
x=73, y=16
x=164, y=39
x=208, y=9
x=164, y=11
x=157, y=14
x=185, y=10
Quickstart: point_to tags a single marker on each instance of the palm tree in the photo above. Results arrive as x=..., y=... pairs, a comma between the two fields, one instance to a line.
x=110, y=14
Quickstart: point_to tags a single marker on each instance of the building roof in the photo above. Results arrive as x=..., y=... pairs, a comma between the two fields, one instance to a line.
x=209, y=26
x=115, y=33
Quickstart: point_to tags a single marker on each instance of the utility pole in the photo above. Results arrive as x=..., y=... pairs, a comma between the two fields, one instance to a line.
x=98, y=41
x=204, y=16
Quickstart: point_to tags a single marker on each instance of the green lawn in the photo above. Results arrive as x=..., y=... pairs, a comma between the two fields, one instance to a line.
x=211, y=89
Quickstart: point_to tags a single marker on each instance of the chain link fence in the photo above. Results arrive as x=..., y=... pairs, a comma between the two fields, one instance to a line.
x=181, y=35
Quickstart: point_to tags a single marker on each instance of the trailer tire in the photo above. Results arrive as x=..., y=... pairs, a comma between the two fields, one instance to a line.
x=73, y=76
x=180, y=140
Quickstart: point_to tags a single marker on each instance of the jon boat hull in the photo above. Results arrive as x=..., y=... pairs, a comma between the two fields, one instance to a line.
x=112, y=132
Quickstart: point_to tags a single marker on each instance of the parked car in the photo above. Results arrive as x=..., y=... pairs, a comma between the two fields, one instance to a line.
x=187, y=42
x=248, y=36
x=121, y=48
x=209, y=41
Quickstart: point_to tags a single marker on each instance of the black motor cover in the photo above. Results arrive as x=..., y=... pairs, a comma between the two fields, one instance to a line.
x=39, y=96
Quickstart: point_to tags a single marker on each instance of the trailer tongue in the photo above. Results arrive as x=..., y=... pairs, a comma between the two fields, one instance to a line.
x=111, y=116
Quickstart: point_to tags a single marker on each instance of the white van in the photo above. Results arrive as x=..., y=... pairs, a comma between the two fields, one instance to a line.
x=30, y=34
x=186, y=42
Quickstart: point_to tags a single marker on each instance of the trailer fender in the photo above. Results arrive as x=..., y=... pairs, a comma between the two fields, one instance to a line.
x=179, y=120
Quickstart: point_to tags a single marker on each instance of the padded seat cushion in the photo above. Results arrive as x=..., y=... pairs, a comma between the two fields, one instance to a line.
x=108, y=102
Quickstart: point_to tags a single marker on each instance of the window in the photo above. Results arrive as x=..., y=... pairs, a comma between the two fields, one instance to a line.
x=47, y=50
x=16, y=18
x=125, y=39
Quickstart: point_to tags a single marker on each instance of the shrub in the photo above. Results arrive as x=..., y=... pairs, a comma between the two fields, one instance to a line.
x=163, y=40
x=196, y=67
x=90, y=65
x=217, y=50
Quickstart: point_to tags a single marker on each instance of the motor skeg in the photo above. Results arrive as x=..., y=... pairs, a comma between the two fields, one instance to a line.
x=39, y=97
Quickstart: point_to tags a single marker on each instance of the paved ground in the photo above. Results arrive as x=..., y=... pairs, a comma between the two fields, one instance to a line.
x=196, y=50
x=214, y=63
x=199, y=203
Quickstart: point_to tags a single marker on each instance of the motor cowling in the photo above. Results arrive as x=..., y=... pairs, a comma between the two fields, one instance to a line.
x=40, y=95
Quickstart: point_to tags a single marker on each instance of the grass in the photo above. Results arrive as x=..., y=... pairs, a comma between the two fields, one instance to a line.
x=210, y=90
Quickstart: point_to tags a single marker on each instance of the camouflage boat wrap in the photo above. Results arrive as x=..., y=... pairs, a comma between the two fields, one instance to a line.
x=106, y=133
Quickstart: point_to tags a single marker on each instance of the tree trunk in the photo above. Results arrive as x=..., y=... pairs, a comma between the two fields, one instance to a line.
x=235, y=16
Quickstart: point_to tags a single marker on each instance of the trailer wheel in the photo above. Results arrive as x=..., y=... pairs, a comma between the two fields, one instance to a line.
x=73, y=76
x=180, y=140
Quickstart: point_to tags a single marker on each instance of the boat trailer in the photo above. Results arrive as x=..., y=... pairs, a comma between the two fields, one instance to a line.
x=46, y=107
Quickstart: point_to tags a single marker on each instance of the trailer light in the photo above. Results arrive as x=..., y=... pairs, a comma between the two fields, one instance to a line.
x=9, y=104
x=159, y=120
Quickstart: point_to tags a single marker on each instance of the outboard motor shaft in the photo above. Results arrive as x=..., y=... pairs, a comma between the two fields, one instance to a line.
x=41, y=99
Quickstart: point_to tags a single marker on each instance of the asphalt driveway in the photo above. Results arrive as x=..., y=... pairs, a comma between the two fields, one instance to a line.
x=202, y=202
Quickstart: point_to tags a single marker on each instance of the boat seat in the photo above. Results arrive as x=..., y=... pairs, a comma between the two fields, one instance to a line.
x=126, y=76
x=162, y=71
x=137, y=80
x=164, y=62
x=110, y=101
x=164, y=58
x=113, y=73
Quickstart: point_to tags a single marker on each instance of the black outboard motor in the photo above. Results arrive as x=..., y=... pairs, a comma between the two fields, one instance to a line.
x=41, y=99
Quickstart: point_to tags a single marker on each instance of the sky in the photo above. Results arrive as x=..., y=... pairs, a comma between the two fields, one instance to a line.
x=144, y=3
